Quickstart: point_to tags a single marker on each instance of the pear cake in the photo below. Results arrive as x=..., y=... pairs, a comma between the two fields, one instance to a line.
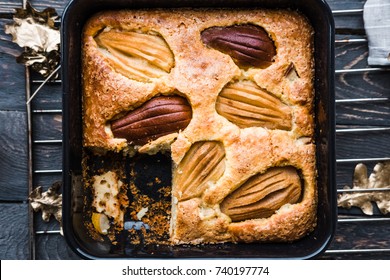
x=229, y=96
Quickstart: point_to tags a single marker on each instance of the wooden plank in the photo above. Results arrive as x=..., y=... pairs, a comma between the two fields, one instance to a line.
x=363, y=145
x=47, y=126
x=42, y=226
x=362, y=235
x=48, y=97
x=53, y=247
x=46, y=180
x=356, y=256
x=12, y=77
x=368, y=114
x=58, y=5
x=344, y=175
x=352, y=24
x=362, y=85
x=350, y=55
x=9, y=6
x=14, y=243
x=13, y=156
x=345, y=4
x=48, y=157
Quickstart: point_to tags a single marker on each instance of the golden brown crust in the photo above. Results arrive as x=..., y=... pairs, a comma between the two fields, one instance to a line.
x=200, y=73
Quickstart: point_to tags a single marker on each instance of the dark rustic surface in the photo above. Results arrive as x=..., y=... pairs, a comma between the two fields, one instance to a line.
x=353, y=240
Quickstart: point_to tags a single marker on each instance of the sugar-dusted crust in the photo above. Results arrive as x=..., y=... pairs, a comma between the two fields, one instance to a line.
x=200, y=73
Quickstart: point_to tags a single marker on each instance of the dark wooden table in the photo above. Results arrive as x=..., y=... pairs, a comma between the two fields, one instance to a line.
x=24, y=235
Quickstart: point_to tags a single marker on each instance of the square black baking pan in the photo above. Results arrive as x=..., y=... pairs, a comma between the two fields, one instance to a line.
x=74, y=195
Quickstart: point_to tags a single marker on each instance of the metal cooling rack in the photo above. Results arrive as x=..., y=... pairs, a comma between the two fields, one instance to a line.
x=341, y=219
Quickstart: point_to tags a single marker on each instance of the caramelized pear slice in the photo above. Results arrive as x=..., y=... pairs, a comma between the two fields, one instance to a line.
x=203, y=165
x=263, y=194
x=159, y=116
x=138, y=56
x=247, y=105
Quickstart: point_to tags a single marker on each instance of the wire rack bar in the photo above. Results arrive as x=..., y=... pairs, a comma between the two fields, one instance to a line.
x=347, y=12
x=385, y=189
x=363, y=100
x=55, y=141
x=357, y=251
x=362, y=220
x=347, y=160
x=361, y=70
x=370, y=129
x=47, y=111
x=350, y=41
x=44, y=81
x=47, y=171
x=40, y=232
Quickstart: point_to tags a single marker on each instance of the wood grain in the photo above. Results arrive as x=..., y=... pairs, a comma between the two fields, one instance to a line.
x=13, y=156
x=363, y=145
x=367, y=114
x=345, y=4
x=48, y=157
x=349, y=235
x=9, y=6
x=53, y=247
x=12, y=82
x=46, y=179
x=59, y=5
x=42, y=226
x=49, y=97
x=47, y=126
x=14, y=231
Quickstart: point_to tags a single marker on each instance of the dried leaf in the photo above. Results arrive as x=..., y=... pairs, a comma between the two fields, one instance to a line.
x=46, y=17
x=43, y=63
x=35, y=31
x=379, y=178
x=49, y=202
